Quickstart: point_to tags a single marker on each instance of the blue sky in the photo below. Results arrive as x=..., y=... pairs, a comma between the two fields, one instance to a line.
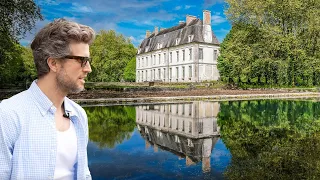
x=131, y=17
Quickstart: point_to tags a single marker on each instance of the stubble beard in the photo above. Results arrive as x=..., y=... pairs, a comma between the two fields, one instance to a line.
x=66, y=84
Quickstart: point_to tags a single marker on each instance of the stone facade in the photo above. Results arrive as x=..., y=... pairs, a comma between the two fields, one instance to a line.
x=184, y=53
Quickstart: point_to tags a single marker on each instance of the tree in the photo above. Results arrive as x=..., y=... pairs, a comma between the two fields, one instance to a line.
x=109, y=126
x=111, y=53
x=130, y=71
x=274, y=139
x=272, y=43
x=16, y=18
x=12, y=66
x=30, y=72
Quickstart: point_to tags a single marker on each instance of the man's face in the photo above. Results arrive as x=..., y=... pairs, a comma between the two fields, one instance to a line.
x=71, y=74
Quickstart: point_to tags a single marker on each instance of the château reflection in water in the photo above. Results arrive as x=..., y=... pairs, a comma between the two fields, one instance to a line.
x=189, y=130
x=257, y=139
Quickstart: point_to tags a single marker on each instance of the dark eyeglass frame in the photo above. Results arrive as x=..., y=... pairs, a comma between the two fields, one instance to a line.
x=84, y=60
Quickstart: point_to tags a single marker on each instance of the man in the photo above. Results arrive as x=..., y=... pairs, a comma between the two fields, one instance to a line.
x=43, y=134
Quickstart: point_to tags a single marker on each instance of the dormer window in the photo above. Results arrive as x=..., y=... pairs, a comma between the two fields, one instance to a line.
x=190, y=38
x=159, y=46
x=177, y=41
x=147, y=48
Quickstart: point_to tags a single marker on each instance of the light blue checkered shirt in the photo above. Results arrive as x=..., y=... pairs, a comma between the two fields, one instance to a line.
x=28, y=136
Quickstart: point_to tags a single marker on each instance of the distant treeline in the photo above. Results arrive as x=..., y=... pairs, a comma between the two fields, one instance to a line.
x=271, y=43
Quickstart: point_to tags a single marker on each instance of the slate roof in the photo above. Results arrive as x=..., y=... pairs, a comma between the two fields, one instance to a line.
x=167, y=142
x=167, y=37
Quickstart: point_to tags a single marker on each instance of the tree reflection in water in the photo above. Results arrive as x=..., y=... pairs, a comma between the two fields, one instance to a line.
x=271, y=139
x=109, y=126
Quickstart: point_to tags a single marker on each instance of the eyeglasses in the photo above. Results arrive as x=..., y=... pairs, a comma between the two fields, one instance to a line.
x=83, y=60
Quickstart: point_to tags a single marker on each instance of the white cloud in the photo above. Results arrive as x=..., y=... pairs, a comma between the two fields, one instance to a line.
x=132, y=38
x=30, y=35
x=47, y=2
x=222, y=30
x=217, y=19
x=80, y=8
x=210, y=3
x=177, y=8
x=137, y=40
x=187, y=7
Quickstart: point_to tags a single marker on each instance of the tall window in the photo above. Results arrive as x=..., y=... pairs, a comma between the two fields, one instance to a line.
x=177, y=56
x=154, y=74
x=183, y=73
x=183, y=109
x=164, y=73
x=177, y=72
x=170, y=57
x=170, y=73
x=138, y=76
x=164, y=58
x=146, y=75
x=142, y=62
x=138, y=62
x=154, y=59
x=190, y=54
x=190, y=71
x=183, y=55
x=200, y=126
x=215, y=55
x=159, y=59
x=159, y=74
x=142, y=76
x=146, y=61
x=200, y=53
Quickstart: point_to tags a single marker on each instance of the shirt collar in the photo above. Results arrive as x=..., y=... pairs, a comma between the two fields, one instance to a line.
x=42, y=101
x=68, y=106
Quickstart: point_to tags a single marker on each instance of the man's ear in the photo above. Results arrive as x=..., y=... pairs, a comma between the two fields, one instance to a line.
x=52, y=63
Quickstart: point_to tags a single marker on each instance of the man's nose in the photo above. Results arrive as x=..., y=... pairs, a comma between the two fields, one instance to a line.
x=87, y=67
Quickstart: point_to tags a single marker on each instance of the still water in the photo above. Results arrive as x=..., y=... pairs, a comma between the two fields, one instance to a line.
x=261, y=139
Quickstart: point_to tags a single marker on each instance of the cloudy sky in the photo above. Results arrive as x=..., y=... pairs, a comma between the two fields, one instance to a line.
x=131, y=17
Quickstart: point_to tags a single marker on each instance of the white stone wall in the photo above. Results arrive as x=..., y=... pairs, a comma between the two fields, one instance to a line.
x=156, y=65
x=197, y=119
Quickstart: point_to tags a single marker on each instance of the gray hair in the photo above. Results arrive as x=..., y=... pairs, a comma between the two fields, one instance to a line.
x=53, y=41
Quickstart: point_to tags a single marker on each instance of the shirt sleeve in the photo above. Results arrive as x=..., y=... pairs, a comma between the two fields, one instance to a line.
x=87, y=171
x=7, y=131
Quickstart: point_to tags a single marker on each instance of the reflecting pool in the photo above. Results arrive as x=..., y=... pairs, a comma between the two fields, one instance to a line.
x=260, y=139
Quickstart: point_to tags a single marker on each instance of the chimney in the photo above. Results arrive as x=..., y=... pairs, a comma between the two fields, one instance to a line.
x=206, y=17
x=190, y=18
x=148, y=33
x=181, y=22
x=156, y=30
